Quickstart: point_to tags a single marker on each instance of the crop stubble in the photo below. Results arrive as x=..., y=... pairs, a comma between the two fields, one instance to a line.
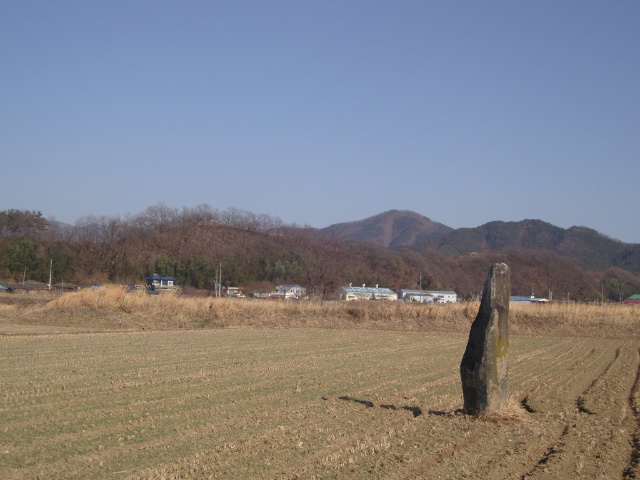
x=310, y=403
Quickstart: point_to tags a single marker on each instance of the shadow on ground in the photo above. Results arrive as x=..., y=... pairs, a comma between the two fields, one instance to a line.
x=417, y=411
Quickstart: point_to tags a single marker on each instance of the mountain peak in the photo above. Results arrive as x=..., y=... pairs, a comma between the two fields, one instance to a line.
x=393, y=228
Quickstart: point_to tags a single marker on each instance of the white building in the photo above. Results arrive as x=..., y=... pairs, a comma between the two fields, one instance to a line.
x=351, y=293
x=427, y=296
x=291, y=292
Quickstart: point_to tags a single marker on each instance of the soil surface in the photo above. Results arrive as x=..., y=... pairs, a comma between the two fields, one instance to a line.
x=310, y=403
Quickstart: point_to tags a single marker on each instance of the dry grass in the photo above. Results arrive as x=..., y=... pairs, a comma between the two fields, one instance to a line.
x=8, y=310
x=576, y=319
x=113, y=307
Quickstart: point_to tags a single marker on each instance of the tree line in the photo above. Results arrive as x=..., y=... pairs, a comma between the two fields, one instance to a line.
x=259, y=251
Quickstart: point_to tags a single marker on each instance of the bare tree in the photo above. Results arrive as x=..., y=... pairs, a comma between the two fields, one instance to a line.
x=21, y=223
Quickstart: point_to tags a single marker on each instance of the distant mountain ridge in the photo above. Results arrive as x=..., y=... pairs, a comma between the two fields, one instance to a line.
x=587, y=247
x=394, y=228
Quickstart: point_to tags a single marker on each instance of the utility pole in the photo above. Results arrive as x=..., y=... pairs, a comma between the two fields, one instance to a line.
x=216, y=282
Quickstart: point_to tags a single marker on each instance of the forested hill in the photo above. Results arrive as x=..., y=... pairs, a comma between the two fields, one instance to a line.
x=394, y=228
x=588, y=248
x=258, y=252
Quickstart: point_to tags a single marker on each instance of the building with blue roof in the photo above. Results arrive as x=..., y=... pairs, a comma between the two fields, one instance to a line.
x=516, y=298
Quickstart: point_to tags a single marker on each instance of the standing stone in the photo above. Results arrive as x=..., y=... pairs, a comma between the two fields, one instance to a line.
x=483, y=369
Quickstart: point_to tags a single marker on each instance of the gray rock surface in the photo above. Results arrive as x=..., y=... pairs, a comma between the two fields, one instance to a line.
x=484, y=366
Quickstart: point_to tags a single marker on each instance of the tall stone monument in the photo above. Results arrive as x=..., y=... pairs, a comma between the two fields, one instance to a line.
x=483, y=370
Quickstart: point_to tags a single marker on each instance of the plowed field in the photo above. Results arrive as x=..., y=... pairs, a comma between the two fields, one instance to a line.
x=310, y=404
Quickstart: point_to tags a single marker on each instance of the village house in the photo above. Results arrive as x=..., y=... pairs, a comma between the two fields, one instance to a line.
x=351, y=293
x=427, y=296
x=29, y=286
x=291, y=292
x=531, y=299
x=156, y=282
x=234, y=292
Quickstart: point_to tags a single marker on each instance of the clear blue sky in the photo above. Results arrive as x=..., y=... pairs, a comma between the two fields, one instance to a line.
x=321, y=112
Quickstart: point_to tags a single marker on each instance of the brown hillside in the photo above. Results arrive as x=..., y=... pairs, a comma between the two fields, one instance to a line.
x=394, y=228
x=257, y=252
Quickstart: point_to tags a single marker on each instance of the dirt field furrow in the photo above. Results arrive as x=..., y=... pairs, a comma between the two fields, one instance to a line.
x=582, y=401
x=632, y=468
x=323, y=404
x=595, y=441
x=560, y=388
